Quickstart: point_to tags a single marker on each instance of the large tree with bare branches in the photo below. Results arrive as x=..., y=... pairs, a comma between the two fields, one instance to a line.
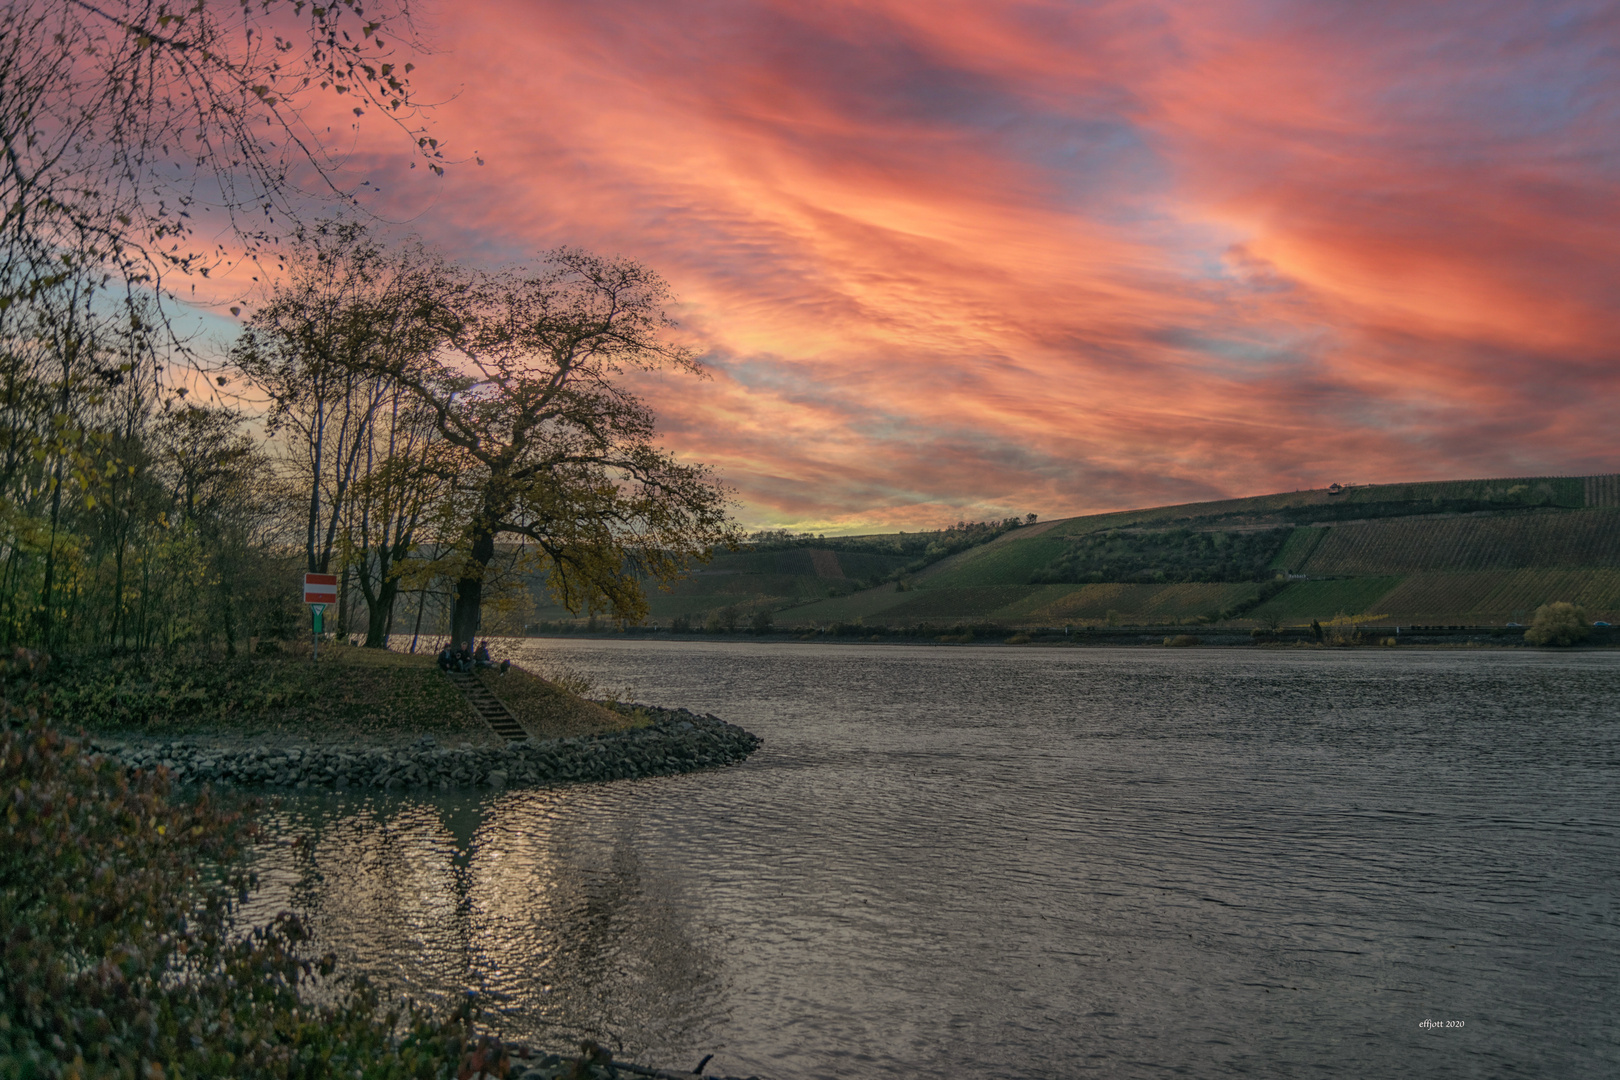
x=556, y=452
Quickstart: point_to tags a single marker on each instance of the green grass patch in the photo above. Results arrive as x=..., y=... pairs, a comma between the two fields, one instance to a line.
x=870, y=604
x=1303, y=601
x=351, y=694
x=1297, y=549
x=119, y=957
x=546, y=710
x=934, y=603
x=1010, y=560
x=1137, y=604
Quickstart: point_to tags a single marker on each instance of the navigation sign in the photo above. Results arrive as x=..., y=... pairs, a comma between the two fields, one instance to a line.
x=320, y=588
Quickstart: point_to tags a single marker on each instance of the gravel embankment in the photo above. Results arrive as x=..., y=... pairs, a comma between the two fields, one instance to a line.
x=677, y=741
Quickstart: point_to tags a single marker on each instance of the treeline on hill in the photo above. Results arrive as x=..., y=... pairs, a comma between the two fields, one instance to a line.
x=921, y=548
x=1172, y=556
x=1355, y=511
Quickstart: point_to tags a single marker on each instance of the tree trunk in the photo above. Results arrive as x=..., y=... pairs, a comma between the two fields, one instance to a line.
x=46, y=625
x=468, y=611
x=380, y=613
x=343, y=603
x=421, y=602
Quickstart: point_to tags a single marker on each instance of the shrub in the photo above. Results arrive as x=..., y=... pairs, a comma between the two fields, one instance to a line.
x=1558, y=623
x=761, y=622
x=1181, y=641
x=119, y=960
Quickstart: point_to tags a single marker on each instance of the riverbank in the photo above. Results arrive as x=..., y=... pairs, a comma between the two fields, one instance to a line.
x=364, y=718
x=668, y=741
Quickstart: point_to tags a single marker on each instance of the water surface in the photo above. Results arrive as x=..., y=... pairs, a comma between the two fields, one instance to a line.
x=1030, y=863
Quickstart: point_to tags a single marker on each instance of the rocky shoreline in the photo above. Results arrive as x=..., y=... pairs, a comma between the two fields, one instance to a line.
x=677, y=741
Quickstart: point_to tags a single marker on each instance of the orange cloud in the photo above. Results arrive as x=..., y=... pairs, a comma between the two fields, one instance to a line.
x=950, y=258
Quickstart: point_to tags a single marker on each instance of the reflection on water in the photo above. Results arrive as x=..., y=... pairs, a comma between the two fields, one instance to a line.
x=537, y=903
x=1047, y=863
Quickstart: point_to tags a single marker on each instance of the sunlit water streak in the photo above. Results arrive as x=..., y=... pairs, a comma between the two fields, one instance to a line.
x=1030, y=862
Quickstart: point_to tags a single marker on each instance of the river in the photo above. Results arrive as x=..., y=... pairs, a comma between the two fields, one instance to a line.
x=994, y=861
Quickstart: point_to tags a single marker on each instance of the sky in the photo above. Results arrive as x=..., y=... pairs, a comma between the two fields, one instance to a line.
x=948, y=260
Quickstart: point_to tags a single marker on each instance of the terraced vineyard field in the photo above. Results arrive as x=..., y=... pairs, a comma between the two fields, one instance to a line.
x=870, y=605
x=1300, y=546
x=1540, y=538
x=1303, y=601
x=1481, y=551
x=1141, y=603
x=967, y=604
x=1009, y=560
x=1500, y=596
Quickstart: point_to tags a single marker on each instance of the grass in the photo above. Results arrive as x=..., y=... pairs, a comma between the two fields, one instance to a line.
x=1306, y=600
x=1008, y=560
x=1144, y=603
x=547, y=710
x=862, y=605
x=1299, y=546
x=352, y=695
x=983, y=602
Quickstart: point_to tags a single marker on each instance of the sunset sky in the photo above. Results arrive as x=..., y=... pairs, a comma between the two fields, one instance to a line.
x=968, y=259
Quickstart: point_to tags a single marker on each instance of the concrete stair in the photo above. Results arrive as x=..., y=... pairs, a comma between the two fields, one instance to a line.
x=490, y=708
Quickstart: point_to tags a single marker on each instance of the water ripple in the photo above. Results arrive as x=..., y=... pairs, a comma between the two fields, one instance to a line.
x=1030, y=863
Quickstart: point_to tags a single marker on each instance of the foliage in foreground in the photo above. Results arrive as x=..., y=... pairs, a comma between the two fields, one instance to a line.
x=1558, y=623
x=118, y=959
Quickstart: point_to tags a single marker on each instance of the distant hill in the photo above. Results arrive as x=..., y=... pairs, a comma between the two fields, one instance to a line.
x=1474, y=552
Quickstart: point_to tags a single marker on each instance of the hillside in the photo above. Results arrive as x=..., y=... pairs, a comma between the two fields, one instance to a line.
x=1474, y=552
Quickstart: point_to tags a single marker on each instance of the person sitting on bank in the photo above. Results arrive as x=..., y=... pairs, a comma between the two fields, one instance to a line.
x=464, y=661
x=481, y=657
x=446, y=658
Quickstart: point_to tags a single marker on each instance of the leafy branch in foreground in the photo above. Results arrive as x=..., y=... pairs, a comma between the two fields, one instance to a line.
x=128, y=124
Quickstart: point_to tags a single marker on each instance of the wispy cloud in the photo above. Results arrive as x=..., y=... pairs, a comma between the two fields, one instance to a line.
x=951, y=258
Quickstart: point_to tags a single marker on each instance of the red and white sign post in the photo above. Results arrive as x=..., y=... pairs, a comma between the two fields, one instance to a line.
x=319, y=590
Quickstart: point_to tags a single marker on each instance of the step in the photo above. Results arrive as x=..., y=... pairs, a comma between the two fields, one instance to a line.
x=490, y=709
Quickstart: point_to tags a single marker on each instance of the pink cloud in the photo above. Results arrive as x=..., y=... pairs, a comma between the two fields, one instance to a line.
x=961, y=259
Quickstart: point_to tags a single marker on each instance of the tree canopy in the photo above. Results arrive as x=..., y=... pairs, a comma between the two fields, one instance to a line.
x=515, y=443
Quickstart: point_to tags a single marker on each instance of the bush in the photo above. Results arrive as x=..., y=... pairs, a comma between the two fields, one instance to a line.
x=762, y=622
x=119, y=960
x=1558, y=623
x=1181, y=641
